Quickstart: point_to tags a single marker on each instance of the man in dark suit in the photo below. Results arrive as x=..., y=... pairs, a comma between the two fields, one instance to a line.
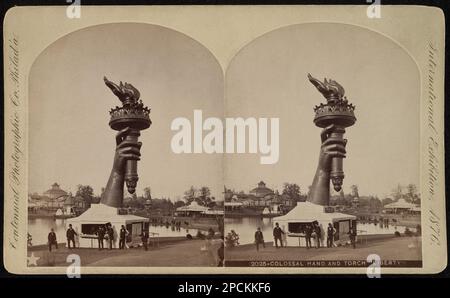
x=352, y=234
x=52, y=240
x=110, y=233
x=101, y=236
x=308, y=232
x=259, y=239
x=122, y=237
x=70, y=234
x=318, y=232
x=330, y=235
x=277, y=233
x=144, y=238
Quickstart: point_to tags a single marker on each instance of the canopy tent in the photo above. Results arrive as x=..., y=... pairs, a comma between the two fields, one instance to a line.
x=305, y=213
x=309, y=212
x=401, y=205
x=87, y=224
x=193, y=209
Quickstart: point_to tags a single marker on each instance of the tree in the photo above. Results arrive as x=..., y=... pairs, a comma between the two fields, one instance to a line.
x=204, y=198
x=212, y=202
x=86, y=192
x=148, y=193
x=386, y=201
x=309, y=190
x=205, y=192
x=190, y=195
x=374, y=203
x=178, y=204
x=411, y=193
x=292, y=190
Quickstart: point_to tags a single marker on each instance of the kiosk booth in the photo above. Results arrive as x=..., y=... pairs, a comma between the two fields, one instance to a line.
x=87, y=224
x=305, y=213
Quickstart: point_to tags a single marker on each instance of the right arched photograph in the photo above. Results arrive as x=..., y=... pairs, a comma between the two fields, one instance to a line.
x=342, y=183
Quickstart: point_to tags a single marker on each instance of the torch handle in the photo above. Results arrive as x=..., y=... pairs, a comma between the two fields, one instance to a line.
x=337, y=169
x=131, y=175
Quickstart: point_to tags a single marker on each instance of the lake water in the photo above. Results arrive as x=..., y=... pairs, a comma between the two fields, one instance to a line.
x=245, y=227
x=40, y=227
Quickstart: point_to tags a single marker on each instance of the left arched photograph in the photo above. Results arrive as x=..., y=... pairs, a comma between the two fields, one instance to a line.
x=104, y=180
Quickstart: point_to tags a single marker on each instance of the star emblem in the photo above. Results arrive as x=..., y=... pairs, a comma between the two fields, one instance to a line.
x=32, y=260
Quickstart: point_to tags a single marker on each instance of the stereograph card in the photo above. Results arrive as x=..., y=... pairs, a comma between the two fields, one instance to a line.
x=224, y=139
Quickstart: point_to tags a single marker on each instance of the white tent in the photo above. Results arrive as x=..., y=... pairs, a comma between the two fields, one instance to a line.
x=87, y=223
x=305, y=213
x=400, y=205
x=192, y=209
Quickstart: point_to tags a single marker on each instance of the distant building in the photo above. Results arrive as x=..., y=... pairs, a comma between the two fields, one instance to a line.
x=261, y=198
x=54, y=192
x=51, y=199
x=57, y=200
x=261, y=191
x=233, y=206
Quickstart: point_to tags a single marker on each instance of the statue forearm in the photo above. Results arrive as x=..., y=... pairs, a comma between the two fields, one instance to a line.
x=320, y=188
x=113, y=194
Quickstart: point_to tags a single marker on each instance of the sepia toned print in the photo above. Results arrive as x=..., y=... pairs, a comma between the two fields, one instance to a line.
x=303, y=219
x=298, y=145
x=124, y=220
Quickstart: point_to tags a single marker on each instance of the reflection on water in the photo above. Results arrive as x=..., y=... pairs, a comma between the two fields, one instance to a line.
x=246, y=227
x=40, y=227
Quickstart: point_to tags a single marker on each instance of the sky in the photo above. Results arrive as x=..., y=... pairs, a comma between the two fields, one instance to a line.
x=268, y=78
x=71, y=142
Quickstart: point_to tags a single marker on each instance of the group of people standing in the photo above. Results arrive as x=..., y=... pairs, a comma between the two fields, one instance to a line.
x=311, y=231
x=278, y=236
x=70, y=235
x=103, y=232
x=314, y=231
